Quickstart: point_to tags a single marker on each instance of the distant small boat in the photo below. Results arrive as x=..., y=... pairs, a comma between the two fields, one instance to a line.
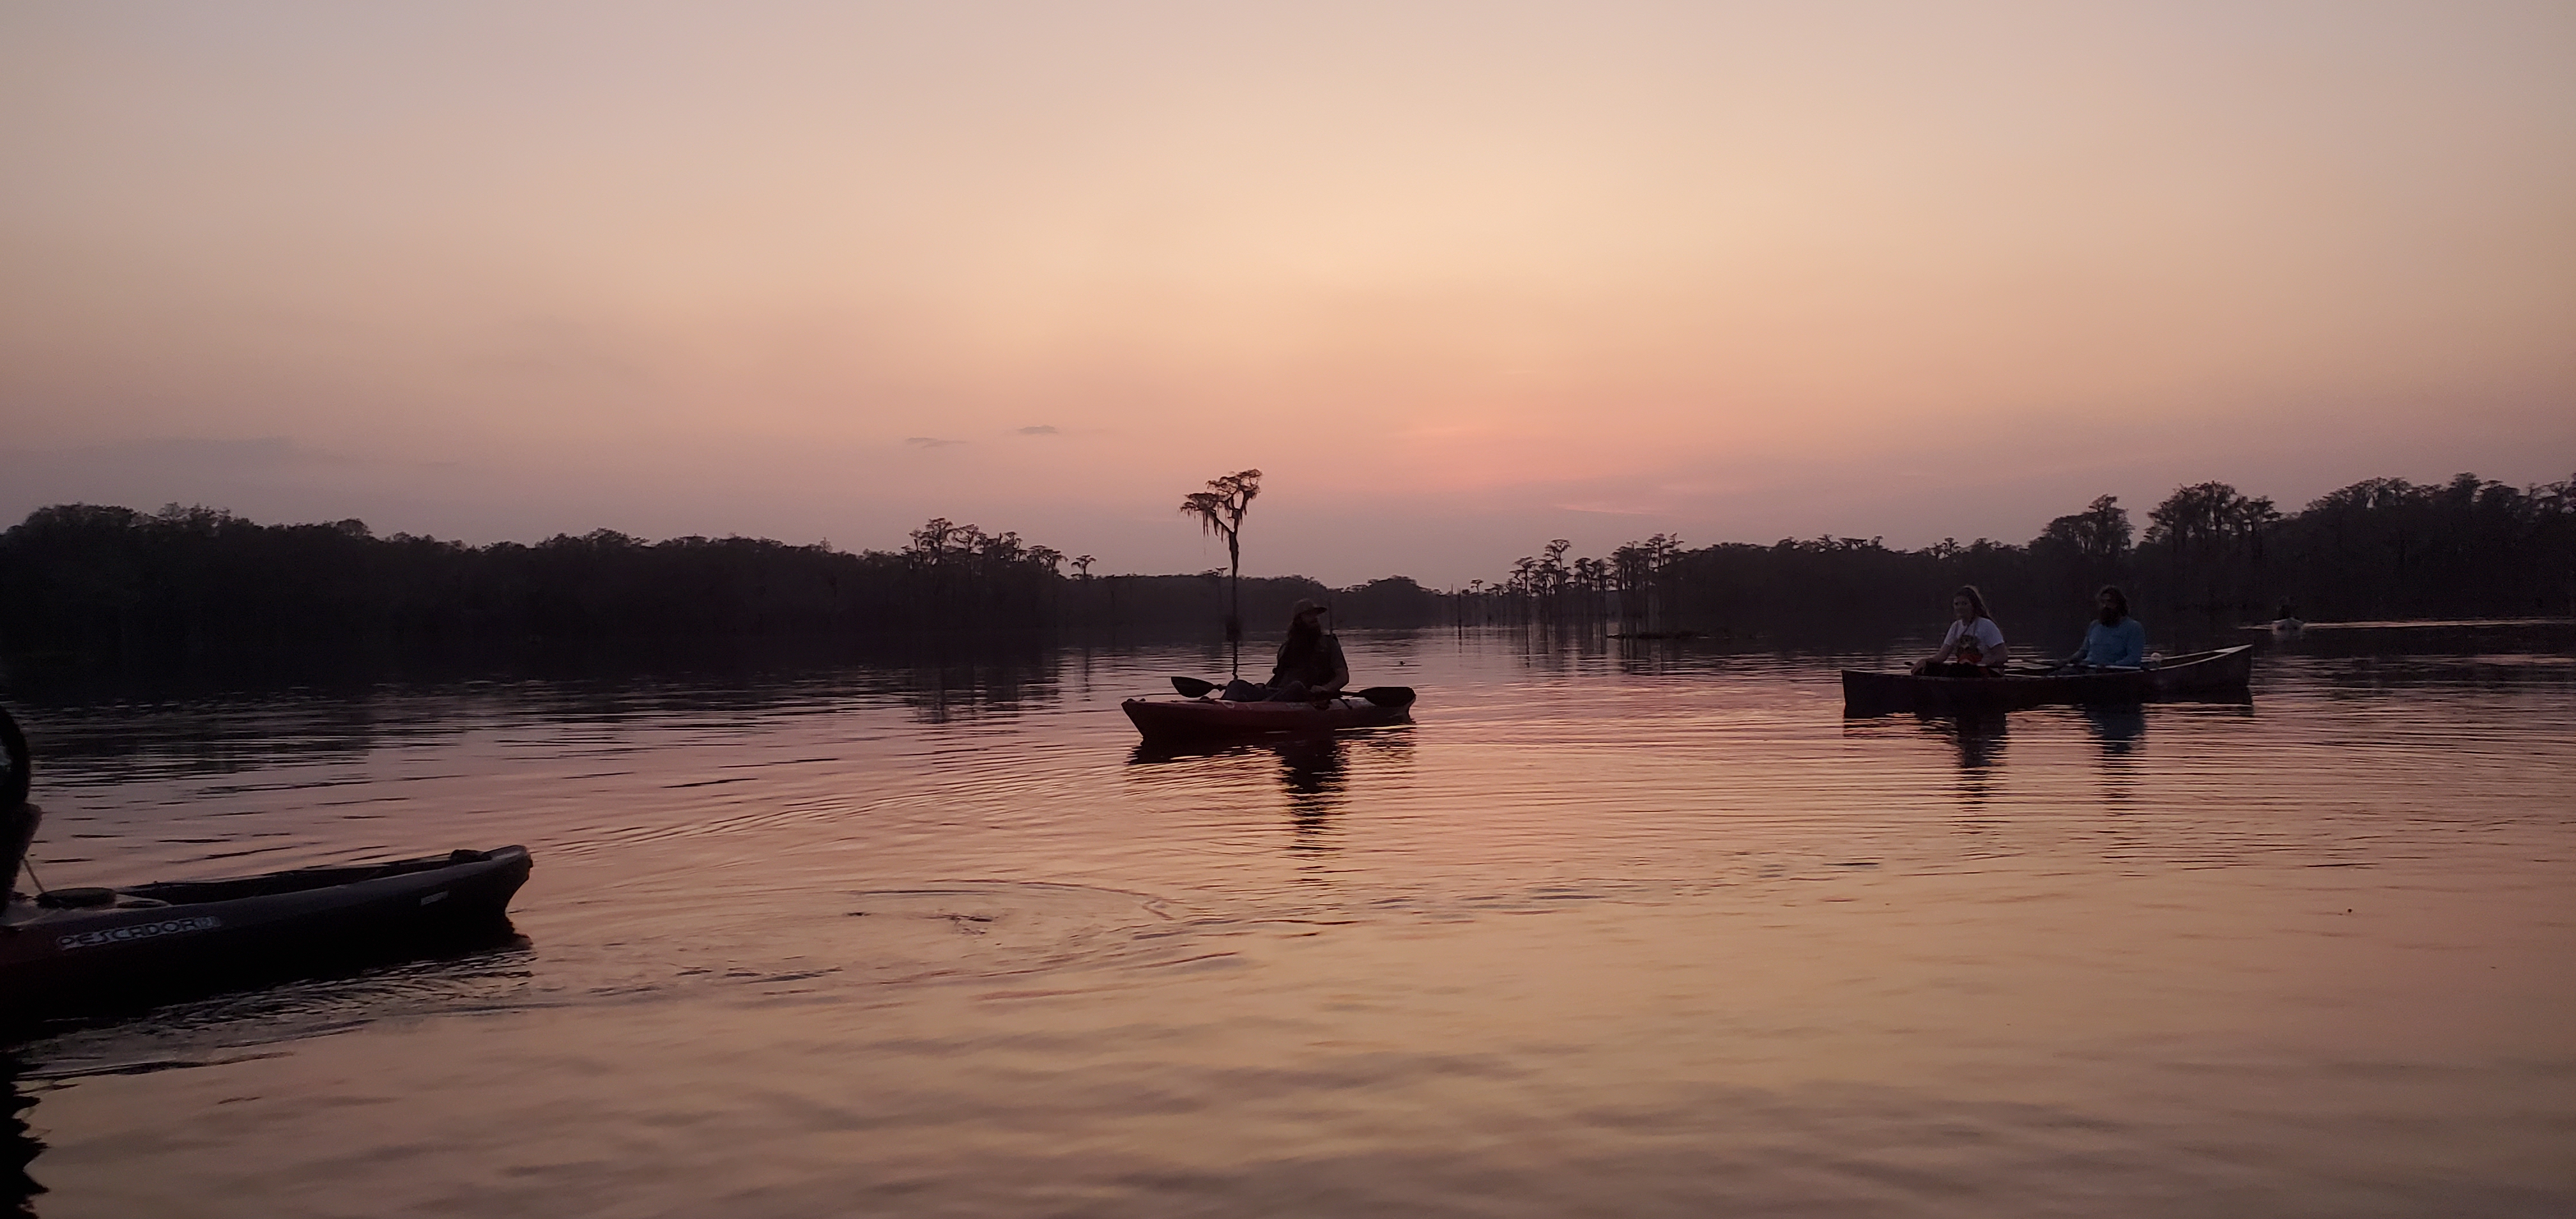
x=2193, y=675
x=1165, y=719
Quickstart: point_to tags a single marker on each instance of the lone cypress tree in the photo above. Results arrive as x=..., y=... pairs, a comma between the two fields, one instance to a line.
x=1220, y=510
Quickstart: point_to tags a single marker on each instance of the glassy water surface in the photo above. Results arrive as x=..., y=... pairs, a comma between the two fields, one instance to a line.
x=1602, y=934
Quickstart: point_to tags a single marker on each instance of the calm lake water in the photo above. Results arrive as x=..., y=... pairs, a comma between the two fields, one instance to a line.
x=1617, y=934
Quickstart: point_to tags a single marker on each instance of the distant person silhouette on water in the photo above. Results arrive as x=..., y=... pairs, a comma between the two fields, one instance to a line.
x=2113, y=640
x=1310, y=664
x=1975, y=645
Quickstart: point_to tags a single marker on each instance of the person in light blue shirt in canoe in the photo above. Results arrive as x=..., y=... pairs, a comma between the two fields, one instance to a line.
x=2113, y=640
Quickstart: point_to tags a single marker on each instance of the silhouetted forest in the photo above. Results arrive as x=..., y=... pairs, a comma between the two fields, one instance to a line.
x=89, y=580
x=2211, y=558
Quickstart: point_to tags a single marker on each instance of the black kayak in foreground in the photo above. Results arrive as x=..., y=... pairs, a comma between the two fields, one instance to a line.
x=2197, y=675
x=71, y=952
x=74, y=951
x=1199, y=719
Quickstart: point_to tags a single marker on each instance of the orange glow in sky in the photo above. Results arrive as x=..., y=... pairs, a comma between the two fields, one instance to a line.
x=1460, y=277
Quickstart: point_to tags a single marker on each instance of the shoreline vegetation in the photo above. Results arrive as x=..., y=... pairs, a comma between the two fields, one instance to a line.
x=92, y=582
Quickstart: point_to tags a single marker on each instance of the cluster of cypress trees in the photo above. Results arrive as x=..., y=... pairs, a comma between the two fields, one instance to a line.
x=2210, y=558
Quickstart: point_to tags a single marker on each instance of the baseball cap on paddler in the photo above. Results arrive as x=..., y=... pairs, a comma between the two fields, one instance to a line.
x=1305, y=606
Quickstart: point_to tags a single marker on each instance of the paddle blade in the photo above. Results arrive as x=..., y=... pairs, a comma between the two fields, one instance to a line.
x=1389, y=696
x=1191, y=687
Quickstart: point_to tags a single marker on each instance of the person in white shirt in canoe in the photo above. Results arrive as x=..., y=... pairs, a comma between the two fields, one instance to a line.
x=1975, y=645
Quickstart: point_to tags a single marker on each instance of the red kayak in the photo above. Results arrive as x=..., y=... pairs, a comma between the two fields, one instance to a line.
x=1183, y=719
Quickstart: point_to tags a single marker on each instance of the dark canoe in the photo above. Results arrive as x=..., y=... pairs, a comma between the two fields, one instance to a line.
x=1201, y=719
x=2194, y=675
x=81, y=950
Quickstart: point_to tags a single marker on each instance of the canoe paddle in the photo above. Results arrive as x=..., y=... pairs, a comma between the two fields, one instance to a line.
x=1383, y=696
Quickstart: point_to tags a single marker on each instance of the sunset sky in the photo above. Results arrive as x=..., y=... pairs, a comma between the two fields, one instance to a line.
x=1459, y=277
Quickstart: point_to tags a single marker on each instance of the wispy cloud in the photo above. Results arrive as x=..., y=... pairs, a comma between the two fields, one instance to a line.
x=930, y=442
x=1038, y=429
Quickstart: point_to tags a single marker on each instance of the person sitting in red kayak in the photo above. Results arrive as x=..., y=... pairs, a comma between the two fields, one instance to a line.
x=1975, y=645
x=1310, y=664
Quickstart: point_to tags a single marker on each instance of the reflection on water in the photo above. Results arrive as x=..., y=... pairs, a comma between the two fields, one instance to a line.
x=18, y=1147
x=1980, y=741
x=2119, y=730
x=1313, y=772
x=1610, y=929
x=1975, y=744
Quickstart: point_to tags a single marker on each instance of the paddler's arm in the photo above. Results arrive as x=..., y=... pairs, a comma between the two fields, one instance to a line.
x=2083, y=648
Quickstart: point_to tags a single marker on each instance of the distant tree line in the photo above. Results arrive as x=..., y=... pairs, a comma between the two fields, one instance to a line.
x=87, y=580
x=2211, y=558
x=82, y=579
